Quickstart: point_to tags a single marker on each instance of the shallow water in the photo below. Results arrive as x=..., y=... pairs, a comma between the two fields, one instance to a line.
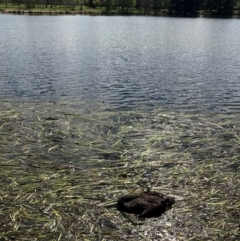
x=79, y=160
x=126, y=62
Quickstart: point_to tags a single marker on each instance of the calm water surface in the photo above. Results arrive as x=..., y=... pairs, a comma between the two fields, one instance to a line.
x=128, y=62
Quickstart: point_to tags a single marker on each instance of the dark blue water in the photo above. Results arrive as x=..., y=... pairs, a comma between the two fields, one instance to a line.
x=128, y=62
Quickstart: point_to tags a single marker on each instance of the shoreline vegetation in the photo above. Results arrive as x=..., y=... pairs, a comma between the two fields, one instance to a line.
x=160, y=8
x=64, y=165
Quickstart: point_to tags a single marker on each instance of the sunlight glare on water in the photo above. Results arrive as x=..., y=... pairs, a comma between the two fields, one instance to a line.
x=129, y=62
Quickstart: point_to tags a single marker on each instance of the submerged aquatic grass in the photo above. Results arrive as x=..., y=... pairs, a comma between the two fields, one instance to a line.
x=64, y=165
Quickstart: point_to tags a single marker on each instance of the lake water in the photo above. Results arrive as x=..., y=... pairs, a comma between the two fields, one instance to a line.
x=64, y=165
x=180, y=64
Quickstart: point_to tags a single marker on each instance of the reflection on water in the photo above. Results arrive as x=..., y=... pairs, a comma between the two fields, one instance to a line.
x=127, y=62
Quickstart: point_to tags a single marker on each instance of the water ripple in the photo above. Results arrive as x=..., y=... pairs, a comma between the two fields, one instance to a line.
x=128, y=62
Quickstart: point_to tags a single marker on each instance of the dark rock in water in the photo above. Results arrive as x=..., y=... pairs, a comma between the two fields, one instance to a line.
x=146, y=204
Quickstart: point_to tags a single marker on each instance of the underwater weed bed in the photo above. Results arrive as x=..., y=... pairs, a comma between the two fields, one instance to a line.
x=64, y=165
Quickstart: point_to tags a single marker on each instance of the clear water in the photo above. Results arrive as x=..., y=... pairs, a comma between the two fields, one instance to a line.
x=180, y=64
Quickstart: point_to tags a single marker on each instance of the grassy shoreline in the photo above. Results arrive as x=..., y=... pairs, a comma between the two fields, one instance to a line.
x=84, y=10
x=64, y=165
x=75, y=12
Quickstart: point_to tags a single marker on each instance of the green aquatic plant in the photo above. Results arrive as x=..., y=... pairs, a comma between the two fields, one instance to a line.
x=64, y=166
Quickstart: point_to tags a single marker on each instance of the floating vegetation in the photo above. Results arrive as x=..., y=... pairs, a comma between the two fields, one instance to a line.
x=64, y=166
